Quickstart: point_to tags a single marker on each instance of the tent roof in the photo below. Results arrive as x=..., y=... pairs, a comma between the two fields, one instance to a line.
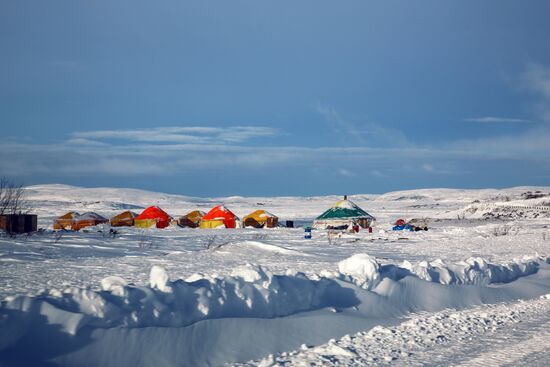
x=344, y=209
x=69, y=215
x=194, y=212
x=90, y=216
x=153, y=212
x=219, y=212
x=261, y=214
x=194, y=215
x=125, y=214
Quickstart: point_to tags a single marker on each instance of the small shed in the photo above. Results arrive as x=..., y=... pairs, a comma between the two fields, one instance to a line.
x=18, y=223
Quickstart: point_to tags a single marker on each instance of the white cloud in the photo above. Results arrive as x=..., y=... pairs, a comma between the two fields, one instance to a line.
x=365, y=133
x=169, y=150
x=428, y=167
x=346, y=173
x=186, y=134
x=536, y=79
x=531, y=145
x=338, y=124
x=84, y=142
x=496, y=120
x=379, y=174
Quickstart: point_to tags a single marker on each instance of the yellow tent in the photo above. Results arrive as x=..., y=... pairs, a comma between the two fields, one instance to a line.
x=191, y=219
x=65, y=221
x=260, y=219
x=124, y=219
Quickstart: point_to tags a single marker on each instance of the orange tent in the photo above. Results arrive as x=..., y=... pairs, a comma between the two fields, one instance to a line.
x=152, y=216
x=124, y=219
x=65, y=221
x=220, y=216
x=87, y=220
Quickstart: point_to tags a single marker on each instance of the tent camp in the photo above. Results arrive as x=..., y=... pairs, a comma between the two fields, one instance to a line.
x=343, y=215
x=124, y=219
x=87, y=220
x=414, y=225
x=220, y=216
x=65, y=221
x=191, y=219
x=260, y=219
x=152, y=216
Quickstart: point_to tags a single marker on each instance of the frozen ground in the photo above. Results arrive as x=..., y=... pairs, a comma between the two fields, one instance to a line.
x=187, y=297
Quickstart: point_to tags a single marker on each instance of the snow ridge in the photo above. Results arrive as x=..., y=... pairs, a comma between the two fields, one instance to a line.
x=367, y=272
x=250, y=291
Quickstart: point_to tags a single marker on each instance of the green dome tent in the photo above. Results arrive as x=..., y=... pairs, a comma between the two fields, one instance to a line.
x=342, y=215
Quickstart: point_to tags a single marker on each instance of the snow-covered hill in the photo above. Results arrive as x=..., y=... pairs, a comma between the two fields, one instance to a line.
x=53, y=200
x=269, y=296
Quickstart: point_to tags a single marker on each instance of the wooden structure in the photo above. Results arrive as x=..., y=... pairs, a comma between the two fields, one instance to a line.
x=18, y=223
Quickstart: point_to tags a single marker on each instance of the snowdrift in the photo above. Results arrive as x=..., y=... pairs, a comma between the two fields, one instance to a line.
x=62, y=322
x=248, y=292
x=366, y=272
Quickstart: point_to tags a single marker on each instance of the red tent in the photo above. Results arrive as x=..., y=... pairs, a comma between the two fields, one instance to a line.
x=153, y=215
x=400, y=222
x=219, y=215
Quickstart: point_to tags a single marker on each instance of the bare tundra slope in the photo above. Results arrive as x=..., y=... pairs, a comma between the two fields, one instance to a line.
x=178, y=297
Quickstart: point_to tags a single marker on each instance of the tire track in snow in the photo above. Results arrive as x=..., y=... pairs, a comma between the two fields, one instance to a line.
x=508, y=348
x=490, y=335
x=511, y=343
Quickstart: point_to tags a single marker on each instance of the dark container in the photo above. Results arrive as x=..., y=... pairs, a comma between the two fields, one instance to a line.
x=289, y=224
x=18, y=223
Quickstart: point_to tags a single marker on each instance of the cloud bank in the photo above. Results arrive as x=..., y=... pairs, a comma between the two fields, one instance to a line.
x=169, y=150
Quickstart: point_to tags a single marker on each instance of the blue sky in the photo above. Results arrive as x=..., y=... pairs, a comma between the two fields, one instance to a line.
x=213, y=98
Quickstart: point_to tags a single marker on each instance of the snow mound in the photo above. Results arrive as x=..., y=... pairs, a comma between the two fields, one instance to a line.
x=366, y=271
x=159, y=278
x=474, y=270
x=360, y=269
x=250, y=291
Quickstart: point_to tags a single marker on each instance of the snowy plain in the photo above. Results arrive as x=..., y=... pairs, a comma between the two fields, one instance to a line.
x=185, y=297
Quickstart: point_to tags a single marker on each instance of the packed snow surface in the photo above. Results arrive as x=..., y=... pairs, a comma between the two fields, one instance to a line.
x=172, y=297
